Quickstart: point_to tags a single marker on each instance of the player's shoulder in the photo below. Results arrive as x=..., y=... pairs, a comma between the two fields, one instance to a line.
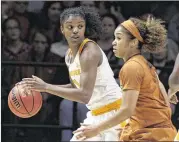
x=91, y=49
x=133, y=65
x=136, y=61
x=91, y=46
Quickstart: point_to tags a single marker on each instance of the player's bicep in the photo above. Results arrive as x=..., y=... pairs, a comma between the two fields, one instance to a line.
x=129, y=100
x=174, y=77
x=87, y=81
x=89, y=62
x=176, y=66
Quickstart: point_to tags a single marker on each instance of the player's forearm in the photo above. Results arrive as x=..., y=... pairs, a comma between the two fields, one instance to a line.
x=121, y=116
x=174, y=81
x=66, y=85
x=72, y=94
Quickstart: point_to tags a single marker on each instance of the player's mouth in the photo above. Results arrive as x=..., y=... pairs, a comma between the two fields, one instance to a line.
x=114, y=50
x=75, y=37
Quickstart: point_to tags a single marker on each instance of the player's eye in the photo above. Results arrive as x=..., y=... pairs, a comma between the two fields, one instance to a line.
x=80, y=26
x=69, y=27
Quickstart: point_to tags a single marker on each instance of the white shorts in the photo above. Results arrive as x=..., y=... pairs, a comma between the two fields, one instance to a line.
x=108, y=135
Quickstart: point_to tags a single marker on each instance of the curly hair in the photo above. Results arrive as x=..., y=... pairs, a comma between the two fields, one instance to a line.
x=153, y=33
x=91, y=17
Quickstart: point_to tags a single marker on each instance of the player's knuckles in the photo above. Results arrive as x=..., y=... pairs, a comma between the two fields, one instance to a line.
x=77, y=136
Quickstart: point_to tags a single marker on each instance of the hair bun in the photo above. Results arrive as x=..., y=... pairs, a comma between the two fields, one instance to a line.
x=153, y=33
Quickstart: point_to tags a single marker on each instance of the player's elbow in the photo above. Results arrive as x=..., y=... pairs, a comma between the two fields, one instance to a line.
x=86, y=97
x=129, y=111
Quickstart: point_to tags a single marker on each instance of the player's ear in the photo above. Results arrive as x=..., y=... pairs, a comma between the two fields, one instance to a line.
x=134, y=42
x=62, y=30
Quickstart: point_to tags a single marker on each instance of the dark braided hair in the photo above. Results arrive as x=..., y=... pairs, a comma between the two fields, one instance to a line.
x=91, y=17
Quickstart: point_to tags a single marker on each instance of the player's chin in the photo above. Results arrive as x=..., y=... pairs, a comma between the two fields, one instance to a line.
x=114, y=51
x=75, y=40
x=117, y=55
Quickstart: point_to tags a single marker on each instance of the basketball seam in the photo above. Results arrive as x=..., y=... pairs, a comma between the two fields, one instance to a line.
x=23, y=102
x=33, y=101
x=40, y=106
x=15, y=107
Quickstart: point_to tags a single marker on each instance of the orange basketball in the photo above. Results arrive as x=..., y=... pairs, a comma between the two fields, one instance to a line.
x=24, y=104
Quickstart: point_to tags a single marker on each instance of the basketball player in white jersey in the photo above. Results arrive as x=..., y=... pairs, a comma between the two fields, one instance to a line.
x=92, y=81
x=174, y=87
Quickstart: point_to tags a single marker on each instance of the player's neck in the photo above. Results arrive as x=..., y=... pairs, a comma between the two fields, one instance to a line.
x=128, y=56
x=74, y=49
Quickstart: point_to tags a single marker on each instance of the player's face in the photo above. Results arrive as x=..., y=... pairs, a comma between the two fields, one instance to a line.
x=73, y=29
x=120, y=43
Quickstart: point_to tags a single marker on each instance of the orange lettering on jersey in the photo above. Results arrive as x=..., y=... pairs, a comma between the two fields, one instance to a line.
x=75, y=72
x=76, y=83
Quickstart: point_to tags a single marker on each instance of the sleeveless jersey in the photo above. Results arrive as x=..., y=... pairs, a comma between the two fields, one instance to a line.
x=106, y=90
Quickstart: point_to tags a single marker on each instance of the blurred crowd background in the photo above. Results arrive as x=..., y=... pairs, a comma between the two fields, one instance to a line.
x=30, y=32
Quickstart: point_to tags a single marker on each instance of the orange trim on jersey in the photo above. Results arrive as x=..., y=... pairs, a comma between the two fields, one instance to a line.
x=177, y=137
x=107, y=108
x=76, y=83
x=82, y=44
x=69, y=52
x=112, y=106
x=130, y=26
x=123, y=124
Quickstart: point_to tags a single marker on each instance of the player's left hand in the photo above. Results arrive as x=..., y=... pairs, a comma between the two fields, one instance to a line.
x=33, y=83
x=172, y=96
x=86, y=132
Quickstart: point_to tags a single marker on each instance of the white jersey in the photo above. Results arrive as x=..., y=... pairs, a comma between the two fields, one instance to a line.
x=106, y=90
x=177, y=137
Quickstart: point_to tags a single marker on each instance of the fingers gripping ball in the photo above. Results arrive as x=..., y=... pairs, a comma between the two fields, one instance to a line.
x=24, y=103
